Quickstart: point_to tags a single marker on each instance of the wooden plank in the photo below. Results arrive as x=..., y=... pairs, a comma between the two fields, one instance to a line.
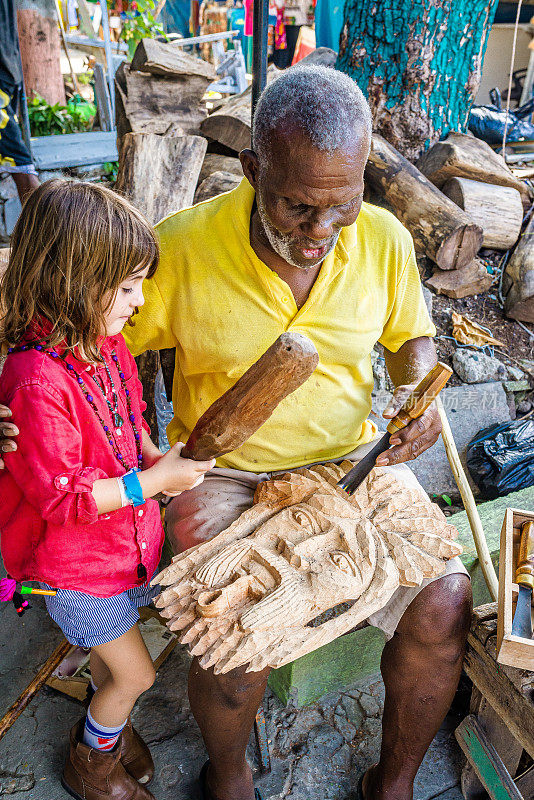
x=74, y=149
x=103, y=102
x=485, y=761
x=492, y=680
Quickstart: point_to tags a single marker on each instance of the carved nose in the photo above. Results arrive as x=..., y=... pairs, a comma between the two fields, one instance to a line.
x=219, y=601
x=287, y=550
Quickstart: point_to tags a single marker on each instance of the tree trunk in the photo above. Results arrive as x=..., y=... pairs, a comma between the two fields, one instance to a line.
x=40, y=50
x=418, y=62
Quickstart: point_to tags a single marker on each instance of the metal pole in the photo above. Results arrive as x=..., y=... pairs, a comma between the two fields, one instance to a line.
x=260, y=21
x=23, y=111
x=109, y=54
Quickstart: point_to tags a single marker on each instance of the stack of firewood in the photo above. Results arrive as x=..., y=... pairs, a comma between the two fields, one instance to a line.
x=159, y=101
x=477, y=180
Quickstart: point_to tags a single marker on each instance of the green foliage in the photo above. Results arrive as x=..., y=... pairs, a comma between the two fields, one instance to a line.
x=140, y=24
x=46, y=120
x=86, y=78
x=447, y=499
x=111, y=169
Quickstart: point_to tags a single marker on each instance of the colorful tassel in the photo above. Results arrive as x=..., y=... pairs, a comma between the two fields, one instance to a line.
x=8, y=591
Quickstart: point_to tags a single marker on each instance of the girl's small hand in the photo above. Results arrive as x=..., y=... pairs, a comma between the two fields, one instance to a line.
x=179, y=474
x=7, y=431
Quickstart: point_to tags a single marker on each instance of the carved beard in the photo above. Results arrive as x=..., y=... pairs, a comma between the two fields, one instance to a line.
x=282, y=242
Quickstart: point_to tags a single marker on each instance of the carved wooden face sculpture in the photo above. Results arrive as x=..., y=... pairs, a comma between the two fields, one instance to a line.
x=257, y=593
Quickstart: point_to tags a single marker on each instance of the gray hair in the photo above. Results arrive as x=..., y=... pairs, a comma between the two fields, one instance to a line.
x=323, y=103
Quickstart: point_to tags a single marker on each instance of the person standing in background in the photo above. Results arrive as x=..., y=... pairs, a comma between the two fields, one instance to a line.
x=14, y=155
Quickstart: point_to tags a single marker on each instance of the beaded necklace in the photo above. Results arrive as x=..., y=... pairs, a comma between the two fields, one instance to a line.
x=113, y=409
x=89, y=397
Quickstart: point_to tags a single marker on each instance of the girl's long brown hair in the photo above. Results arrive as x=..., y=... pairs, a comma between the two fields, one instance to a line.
x=72, y=247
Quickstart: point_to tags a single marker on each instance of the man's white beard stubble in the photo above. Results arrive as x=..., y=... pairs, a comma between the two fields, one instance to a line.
x=280, y=242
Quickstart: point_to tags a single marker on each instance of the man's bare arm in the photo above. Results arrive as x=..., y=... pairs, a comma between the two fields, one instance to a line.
x=406, y=367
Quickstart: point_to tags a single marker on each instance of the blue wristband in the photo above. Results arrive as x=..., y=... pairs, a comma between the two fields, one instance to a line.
x=133, y=489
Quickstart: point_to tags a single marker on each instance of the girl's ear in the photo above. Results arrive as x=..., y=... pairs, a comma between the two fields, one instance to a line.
x=250, y=164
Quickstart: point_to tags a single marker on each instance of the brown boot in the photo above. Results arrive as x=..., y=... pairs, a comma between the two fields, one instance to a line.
x=94, y=775
x=135, y=755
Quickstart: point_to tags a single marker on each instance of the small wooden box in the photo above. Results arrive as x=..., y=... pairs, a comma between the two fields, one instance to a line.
x=514, y=651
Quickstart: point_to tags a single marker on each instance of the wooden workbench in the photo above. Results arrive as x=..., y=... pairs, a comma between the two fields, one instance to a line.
x=498, y=735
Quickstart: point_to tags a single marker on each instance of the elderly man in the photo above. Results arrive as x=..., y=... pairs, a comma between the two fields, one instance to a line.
x=295, y=248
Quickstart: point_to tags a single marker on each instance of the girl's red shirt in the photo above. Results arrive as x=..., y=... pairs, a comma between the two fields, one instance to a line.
x=50, y=528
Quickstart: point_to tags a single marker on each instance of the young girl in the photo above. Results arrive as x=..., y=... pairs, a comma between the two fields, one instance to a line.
x=76, y=513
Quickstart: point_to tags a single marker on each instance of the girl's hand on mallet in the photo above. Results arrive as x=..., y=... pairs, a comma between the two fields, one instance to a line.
x=179, y=474
x=7, y=431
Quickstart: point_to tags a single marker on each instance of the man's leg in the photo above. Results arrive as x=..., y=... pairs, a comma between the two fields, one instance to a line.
x=14, y=155
x=224, y=707
x=26, y=183
x=421, y=667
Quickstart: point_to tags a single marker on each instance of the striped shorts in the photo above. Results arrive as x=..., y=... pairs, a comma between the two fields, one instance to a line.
x=88, y=621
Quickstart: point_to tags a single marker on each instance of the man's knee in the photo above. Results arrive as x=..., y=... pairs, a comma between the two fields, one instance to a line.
x=440, y=615
x=234, y=688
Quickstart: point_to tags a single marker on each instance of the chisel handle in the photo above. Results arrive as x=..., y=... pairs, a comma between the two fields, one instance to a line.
x=524, y=573
x=422, y=396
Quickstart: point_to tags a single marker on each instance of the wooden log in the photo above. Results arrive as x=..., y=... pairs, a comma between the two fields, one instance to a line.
x=230, y=124
x=216, y=183
x=458, y=283
x=154, y=104
x=214, y=162
x=40, y=51
x=463, y=156
x=440, y=229
x=35, y=686
x=168, y=60
x=518, y=282
x=497, y=209
x=235, y=416
x=159, y=173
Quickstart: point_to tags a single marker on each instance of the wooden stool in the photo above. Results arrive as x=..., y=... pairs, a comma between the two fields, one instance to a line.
x=497, y=737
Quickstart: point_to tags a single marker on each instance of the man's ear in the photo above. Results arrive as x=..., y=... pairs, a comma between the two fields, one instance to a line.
x=251, y=166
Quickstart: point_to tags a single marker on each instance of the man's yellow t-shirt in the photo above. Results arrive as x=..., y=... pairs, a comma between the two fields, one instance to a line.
x=221, y=308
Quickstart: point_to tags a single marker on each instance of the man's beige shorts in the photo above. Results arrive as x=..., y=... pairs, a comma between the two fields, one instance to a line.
x=202, y=513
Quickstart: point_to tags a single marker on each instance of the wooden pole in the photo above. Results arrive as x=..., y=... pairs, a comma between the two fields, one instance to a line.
x=34, y=687
x=473, y=516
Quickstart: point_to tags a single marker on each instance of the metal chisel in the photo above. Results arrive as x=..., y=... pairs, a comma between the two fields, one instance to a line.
x=417, y=403
x=524, y=577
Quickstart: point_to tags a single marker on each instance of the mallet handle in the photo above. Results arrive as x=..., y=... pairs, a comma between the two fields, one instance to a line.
x=524, y=573
x=240, y=411
x=422, y=396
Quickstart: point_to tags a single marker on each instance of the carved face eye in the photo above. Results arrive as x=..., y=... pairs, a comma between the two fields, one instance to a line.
x=344, y=563
x=304, y=518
